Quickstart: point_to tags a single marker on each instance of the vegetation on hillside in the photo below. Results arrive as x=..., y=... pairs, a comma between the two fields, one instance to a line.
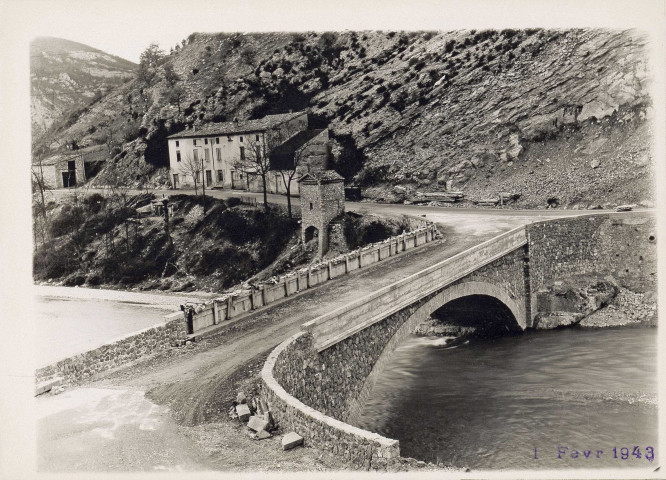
x=100, y=240
x=103, y=240
x=468, y=110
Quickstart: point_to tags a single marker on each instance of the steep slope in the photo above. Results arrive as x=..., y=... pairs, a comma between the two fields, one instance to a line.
x=66, y=76
x=554, y=117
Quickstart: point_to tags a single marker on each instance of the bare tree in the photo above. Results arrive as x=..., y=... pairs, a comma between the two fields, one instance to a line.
x=191, y=166
x=111, y=138
x=255, y=160
x=39, y=186
x=288, y=175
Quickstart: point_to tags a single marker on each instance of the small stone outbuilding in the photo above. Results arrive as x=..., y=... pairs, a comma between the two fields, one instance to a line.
x=322, y=200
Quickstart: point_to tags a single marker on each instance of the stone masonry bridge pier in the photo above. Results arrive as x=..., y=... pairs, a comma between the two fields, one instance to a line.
x=317, y=381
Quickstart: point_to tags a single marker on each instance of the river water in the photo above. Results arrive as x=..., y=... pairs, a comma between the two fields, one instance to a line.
x=489, y=404
x=67, y=326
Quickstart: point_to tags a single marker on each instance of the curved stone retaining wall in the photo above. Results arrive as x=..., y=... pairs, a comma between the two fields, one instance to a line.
x=360, y=447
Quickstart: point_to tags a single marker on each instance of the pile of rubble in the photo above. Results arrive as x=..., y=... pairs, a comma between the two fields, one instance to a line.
x=257, y=416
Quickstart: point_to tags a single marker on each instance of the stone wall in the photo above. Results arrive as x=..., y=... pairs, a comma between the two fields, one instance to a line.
x=618, y=245
x=361, y=448
x=119, y=352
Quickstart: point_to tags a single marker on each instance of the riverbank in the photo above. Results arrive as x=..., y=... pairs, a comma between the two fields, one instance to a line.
x=157, y=299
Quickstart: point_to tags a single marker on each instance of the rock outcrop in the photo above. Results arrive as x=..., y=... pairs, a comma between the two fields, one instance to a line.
x=569, y=301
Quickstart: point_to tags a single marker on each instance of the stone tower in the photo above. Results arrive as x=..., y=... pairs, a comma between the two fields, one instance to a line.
x=322, y=199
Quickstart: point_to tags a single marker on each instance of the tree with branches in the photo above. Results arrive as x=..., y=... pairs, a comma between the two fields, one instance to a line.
x=191, y=166
x=257, y=158
x=288, y=175
x=39, y=186
x=149, y=60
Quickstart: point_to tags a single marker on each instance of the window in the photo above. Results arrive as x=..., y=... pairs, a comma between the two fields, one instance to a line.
x=218, y=154
x=217, y=140
x=220, y=175
x=241, y=139
x=229, y=139
x=256, y=137
x=178, y=155
x=196, y=155
x=194, y=142
x=71, y=165
x=207, y=155
x=242, y=152
x=205, y=141
x=177, y=144
x=310, y=205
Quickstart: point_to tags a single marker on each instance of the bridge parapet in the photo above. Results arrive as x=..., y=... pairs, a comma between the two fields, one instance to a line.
x=344, y=322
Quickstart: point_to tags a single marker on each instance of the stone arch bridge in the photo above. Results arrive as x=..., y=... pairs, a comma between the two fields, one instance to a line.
x=318, y=381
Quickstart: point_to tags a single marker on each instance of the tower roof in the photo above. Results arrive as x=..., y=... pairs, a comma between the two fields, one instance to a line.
x=322, y=177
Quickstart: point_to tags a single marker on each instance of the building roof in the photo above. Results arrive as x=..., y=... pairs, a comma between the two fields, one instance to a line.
x=93, y=153
x=323, y=176
x=232, y=128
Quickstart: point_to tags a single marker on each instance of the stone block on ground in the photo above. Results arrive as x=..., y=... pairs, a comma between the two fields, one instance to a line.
x=241, y=398
x=263, y=434
x=269, y=420
x=243, y=412
x=48, y=385
x=257, y=423
x=291, y=440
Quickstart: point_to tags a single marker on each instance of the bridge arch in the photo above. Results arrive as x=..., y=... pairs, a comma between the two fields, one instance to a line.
x=422, y=313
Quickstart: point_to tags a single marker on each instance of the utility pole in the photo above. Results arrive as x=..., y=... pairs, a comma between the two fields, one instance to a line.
x=165, y=202
x=203, y=184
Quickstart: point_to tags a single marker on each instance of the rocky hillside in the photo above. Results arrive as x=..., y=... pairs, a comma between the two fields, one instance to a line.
x=66, y=76
x=559, y=118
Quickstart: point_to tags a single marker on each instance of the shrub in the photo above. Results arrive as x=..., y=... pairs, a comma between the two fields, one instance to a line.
x=68, y=220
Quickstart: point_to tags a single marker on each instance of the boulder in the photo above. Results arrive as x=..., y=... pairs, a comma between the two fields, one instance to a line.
x=241, y=398
x=595, y=163
x=515, y=148
x=625, y=208
x=291, y=440
x=257, y=423
x=568, y=301
x=243, y=412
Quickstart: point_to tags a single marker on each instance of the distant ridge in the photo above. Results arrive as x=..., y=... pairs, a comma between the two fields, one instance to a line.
x=65, y=76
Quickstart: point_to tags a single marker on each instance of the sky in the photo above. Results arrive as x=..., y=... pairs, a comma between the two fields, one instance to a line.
x=125, y=28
